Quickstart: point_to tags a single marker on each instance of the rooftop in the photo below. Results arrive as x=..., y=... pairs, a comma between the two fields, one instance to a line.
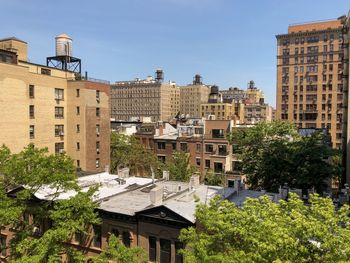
x=110, y=185
x=177, y=197
x=12, y=38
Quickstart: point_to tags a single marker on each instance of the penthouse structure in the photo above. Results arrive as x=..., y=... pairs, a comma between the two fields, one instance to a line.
x=52, y=106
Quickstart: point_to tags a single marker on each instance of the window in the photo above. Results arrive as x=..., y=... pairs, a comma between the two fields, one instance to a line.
x=198, y=161
x=59, y=94
x=79, y=237
x=178, y=256
x=198, y=130
x=97, y=236
x=115, y=232
x=59, y=130
x=174, y=145
x=161, y=158
x=3, y=246
x=59, y=112
x=126, y=238
x=218, y=167
x=97, y=147
x=78, y=146
x=78, y=110
x=207, y=164
x=152, y=248
x=198, y=147
x=31, y=111
x=31, y=132
x=209, y=148
x=31, y=91
x=161, y=145
x=165, y=250
x=59, y=147
x=237, y=166
x=45, y=71
x=97, y=112
x=97, y=95
x=78, y=128
x=98, y=129
x=222, y=150
x=218, y=133
x=78, y=163
x=97, y=162
x=236, y=149
x=183, y=146
x=78, y=92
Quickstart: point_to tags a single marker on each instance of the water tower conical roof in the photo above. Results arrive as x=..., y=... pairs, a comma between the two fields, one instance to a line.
x=63, y=35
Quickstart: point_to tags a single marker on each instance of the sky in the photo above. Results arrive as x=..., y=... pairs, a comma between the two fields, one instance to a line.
x=228, y=42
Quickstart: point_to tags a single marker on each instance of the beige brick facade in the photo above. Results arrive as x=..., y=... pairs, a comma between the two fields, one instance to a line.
x=40, y=105
x=191, y=97
x=144, y=98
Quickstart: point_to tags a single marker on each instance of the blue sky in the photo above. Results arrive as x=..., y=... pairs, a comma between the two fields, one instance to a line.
x=228, y=42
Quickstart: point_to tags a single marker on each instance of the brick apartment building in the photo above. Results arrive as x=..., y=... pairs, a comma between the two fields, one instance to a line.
x=204, y=140
x=310, y=84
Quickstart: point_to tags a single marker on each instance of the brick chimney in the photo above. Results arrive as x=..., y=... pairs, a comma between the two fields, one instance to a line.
x=156, y=195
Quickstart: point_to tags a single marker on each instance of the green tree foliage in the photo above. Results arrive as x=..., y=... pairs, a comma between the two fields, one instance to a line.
x=128, y=151
x=117, y=252
x=274, y=153
x=263, y=231
x=180, y=168
x=212, y=178
x=34, y=168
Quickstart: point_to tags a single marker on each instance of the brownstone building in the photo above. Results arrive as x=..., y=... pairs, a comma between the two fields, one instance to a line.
x=204, y=140
x=310, y=77
x=142, y=212
x=52, y=107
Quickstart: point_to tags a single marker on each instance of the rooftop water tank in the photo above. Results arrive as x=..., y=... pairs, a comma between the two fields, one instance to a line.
x=64, y=45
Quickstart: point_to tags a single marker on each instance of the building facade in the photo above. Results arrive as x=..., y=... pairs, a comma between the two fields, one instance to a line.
x=48, y=107
x=310, y=77
x=345, y=21
x=204, y=140
x=192, y=96
x=150, y=97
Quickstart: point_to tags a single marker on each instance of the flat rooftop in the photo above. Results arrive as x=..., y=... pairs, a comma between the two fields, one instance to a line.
x=314, y=26
x=110, y=185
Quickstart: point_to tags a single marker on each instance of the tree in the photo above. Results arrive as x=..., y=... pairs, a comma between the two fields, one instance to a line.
x=117, y=252
x=180, y=168
x=263, y=231
x=25, y=174
x=274, y=153
x=212, y=178
x=128, y=151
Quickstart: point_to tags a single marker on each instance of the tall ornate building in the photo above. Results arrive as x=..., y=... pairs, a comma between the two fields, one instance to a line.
x=310, y=76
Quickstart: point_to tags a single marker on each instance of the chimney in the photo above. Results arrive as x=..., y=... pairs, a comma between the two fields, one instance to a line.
x=166, y=175
x=194, y=182
x=161, y=128
x=156, y=195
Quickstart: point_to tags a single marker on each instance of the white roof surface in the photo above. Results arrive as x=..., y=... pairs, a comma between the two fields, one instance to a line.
x=109, y=186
